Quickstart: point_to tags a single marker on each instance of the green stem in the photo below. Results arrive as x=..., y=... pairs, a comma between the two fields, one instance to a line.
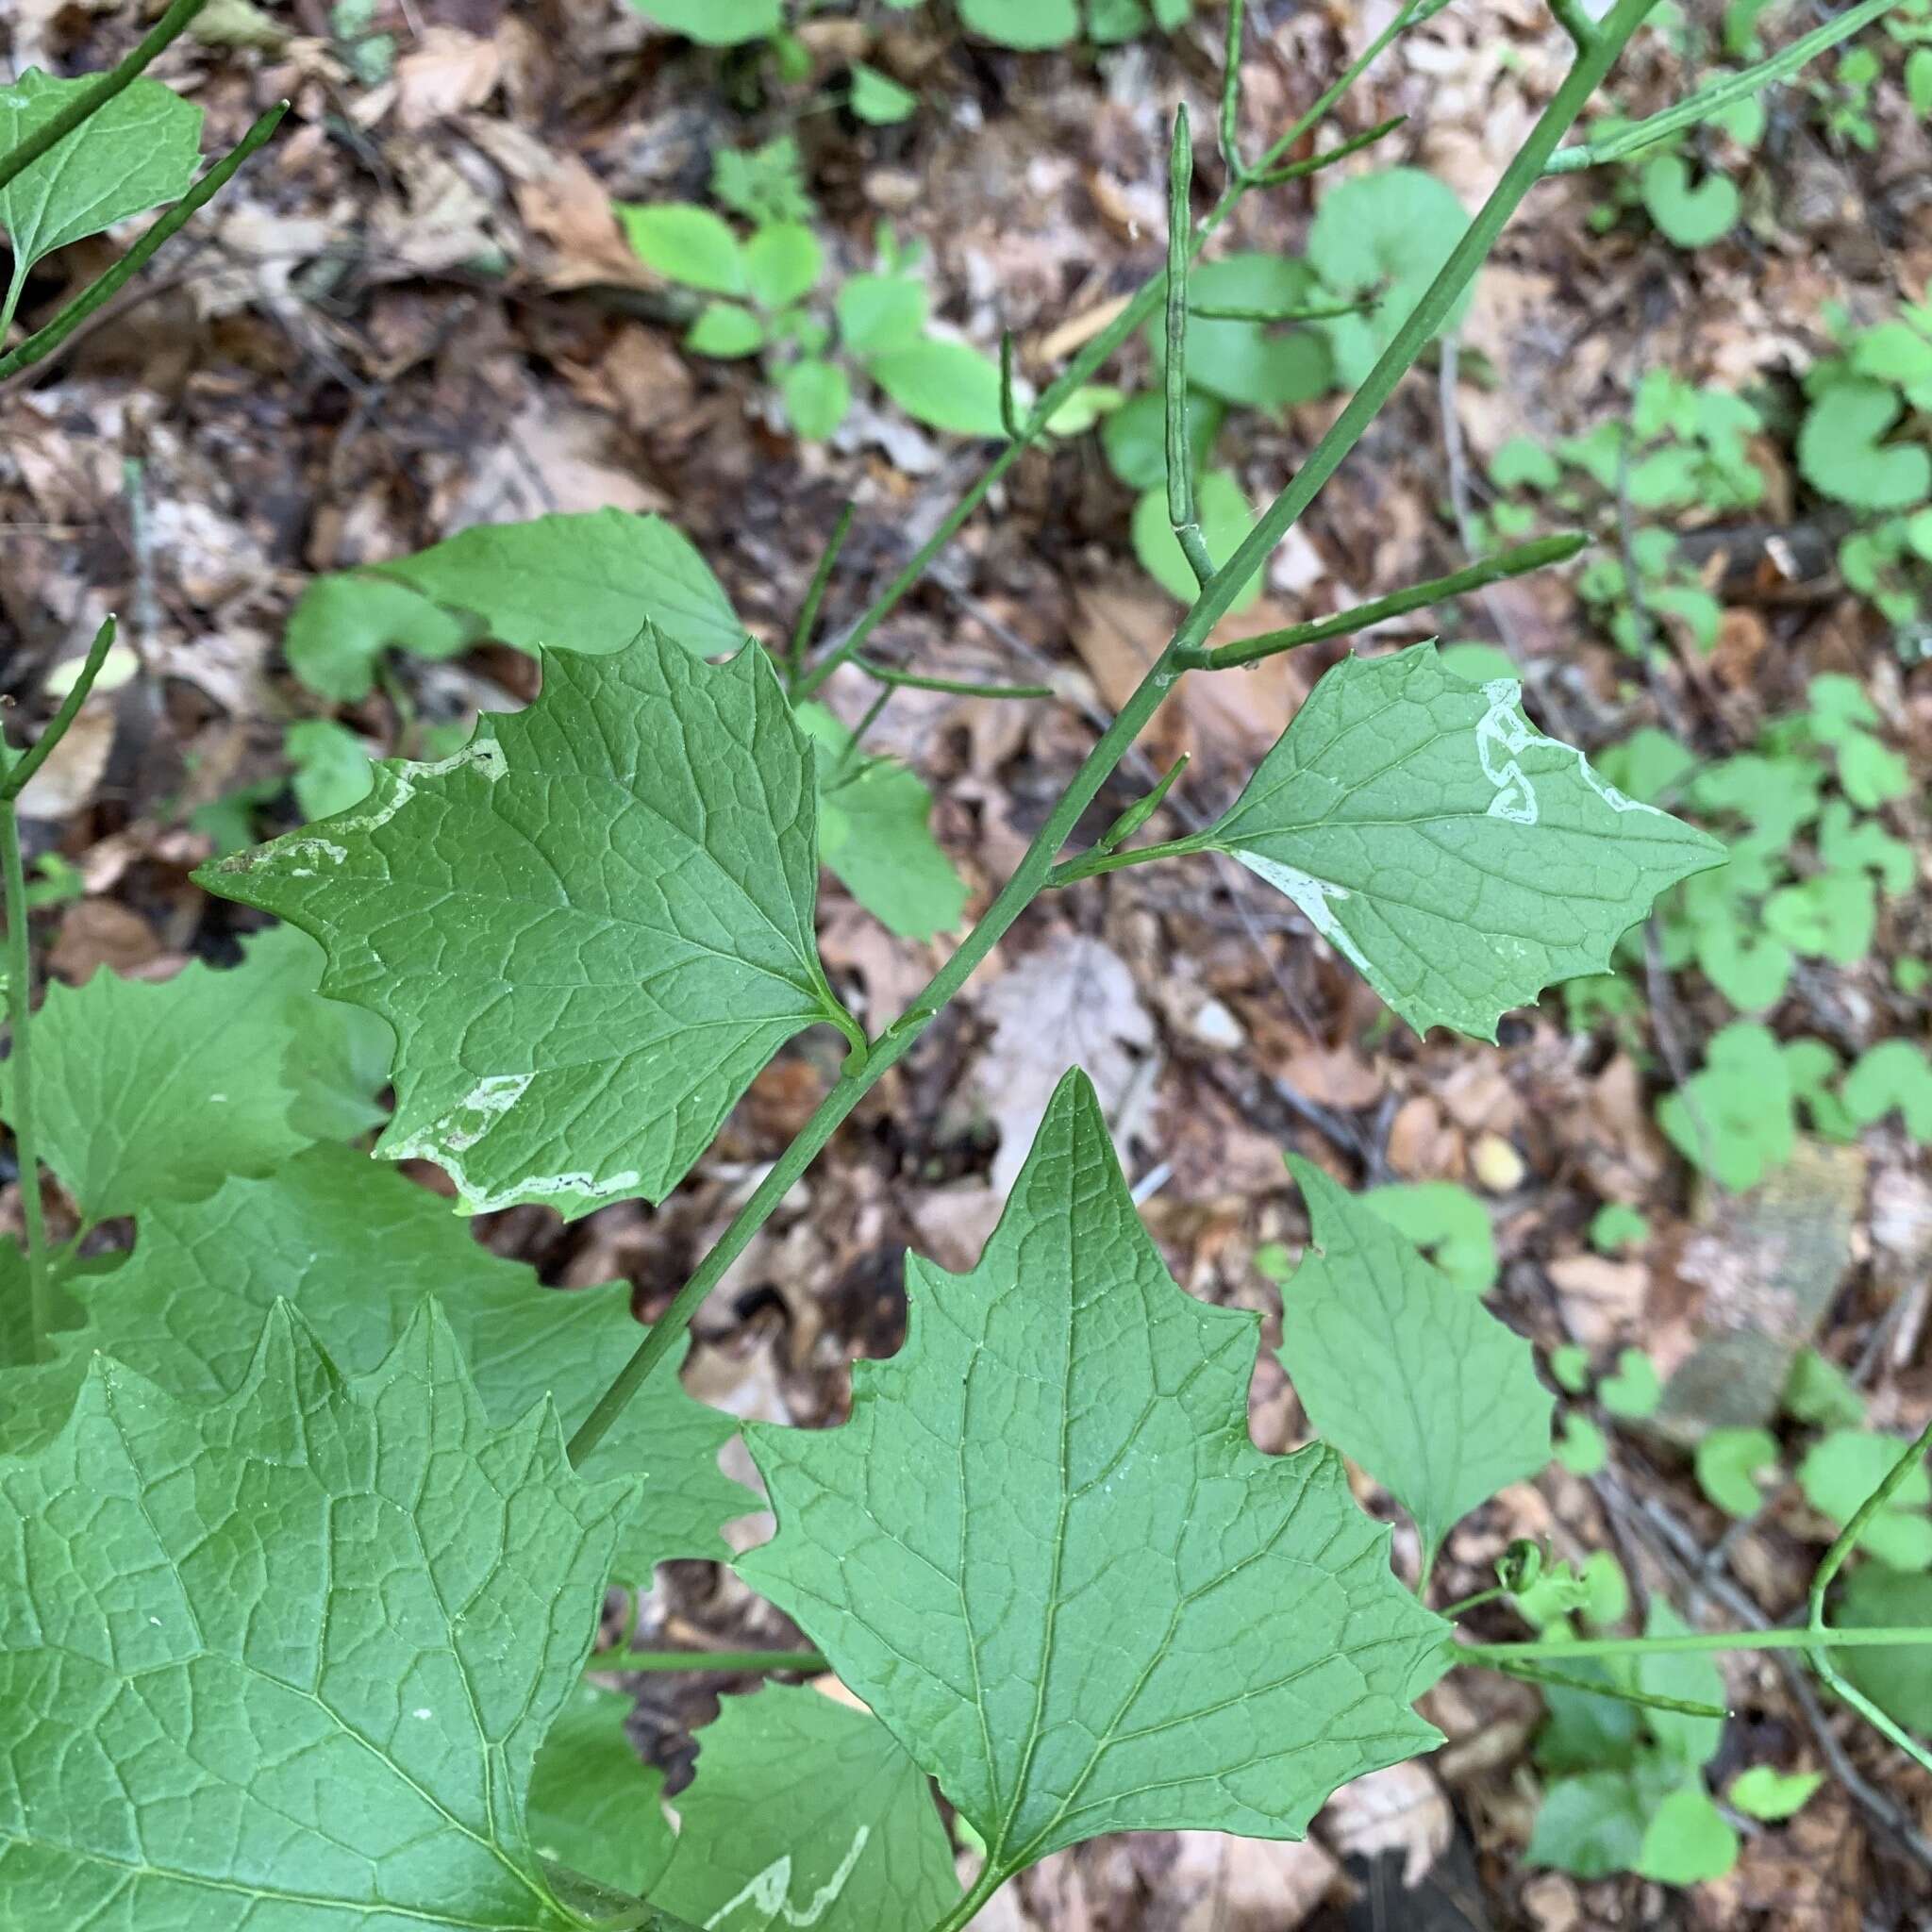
x=1821, y=1581
x=1180, y=473
x=742, y=1661
x=49, y=339
x=850, y=750
x=1501, y=1655
x=1147, y=300
x=971, y=1902
x=19, y=1080
x=1320, y=311
x=1574, y=21
x=170, y=26
x=1295, y=171
x=1091, y=865
x=958, y=686
x=36, y=754
x=1183, y=649
x=808, y=614
x=1647, y=1700
x=1525, y=558
x=1721, y=93
x=1425, y=319
x=9, y=303
x=1463, y=1605
x=1231, y=94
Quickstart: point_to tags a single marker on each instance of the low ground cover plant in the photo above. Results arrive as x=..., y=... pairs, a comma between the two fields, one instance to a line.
x=309, y=1503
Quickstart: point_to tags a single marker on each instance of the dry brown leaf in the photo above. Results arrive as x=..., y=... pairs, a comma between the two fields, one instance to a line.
x=74, y=767
x=552, y=456
x=444, y=73
x=102, y=933
x=1071, y=1004
x=1337, y=1076
x=1233, y=715
x=1209, y=1881
x=1602, y=1299
x=442, y=221
x=1400, y=1809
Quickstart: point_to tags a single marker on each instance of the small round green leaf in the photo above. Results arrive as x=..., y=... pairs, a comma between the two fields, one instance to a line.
x=686, y=243
x=817, y=396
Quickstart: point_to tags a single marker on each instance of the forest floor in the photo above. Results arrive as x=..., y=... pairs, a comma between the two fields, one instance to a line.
x=416, y=312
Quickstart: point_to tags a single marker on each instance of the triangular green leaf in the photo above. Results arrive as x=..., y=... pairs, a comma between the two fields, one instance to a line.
x=584, y=582
x=594, y=1801
x=590, y=928
x=1404, y=1372
x=149, y=1092
x=806, y=1812
x=1047, y=1553
x=133, y=154
x=285, y=1661
x=356, y=1249
x=1459, y=858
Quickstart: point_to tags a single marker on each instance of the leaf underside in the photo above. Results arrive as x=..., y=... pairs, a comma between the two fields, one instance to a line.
x=1458, y=858
x=281, y=1663
x=590, y=928
x=160, y=1092
x=355, y=1250
x=1047, y=1553
x=806, y=1812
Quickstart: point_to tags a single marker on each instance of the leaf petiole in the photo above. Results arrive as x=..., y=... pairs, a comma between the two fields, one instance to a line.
x=1499, y=1656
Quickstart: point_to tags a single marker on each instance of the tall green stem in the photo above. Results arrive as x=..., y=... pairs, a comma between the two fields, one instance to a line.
x=20, y=1081
x=1146, y=302
x=1185, y=648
